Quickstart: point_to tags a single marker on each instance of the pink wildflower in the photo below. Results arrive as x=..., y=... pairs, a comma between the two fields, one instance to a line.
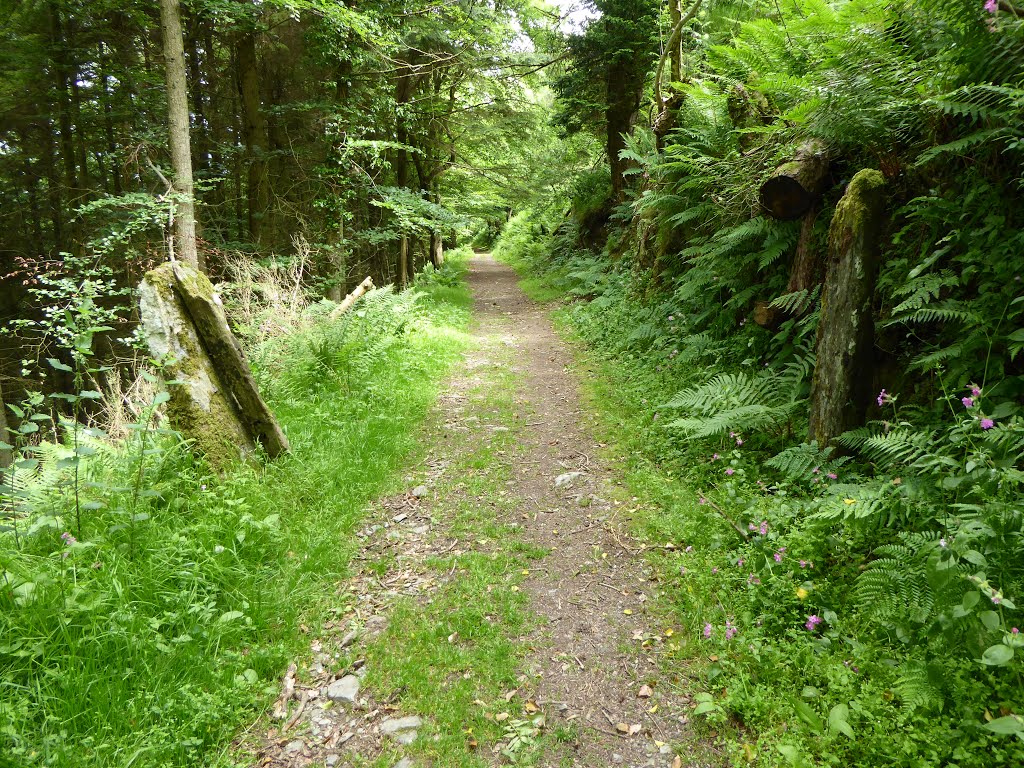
x=730, y=471
x=987, y=423
x=991, y=6
x=975, y=392
x=812, y=621
x=730, y=630
x=882, y=398
x=764, y=528
x=739, y=441
x=967, y=401
x=708, y=629
x=832, y=476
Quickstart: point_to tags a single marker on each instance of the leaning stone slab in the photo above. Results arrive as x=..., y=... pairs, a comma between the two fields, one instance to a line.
x=215, y=402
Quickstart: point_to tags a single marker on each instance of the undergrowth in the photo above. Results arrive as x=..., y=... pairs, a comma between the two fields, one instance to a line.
x=852, y=609
x=151, y=630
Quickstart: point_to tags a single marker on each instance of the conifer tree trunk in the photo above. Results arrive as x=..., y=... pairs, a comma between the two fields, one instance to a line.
x=184, y=247
x=842, y=375
x=254, y=130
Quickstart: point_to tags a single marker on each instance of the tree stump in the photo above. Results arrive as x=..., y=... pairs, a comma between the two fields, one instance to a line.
x=841, y=386
x=791, y=191
x=214, y=400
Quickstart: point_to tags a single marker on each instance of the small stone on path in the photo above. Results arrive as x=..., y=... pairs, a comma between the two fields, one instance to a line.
x=294, y=747
x=345, y=690
x=405, y=762
x=419, y=491
x=401, y=729
x=566, y=479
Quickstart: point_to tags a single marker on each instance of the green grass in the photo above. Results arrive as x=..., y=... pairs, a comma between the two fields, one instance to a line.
x=167, y=626
x=452, y=658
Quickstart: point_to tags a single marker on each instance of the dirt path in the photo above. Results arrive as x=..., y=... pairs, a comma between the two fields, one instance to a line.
x=590, y=592
x=509, y=457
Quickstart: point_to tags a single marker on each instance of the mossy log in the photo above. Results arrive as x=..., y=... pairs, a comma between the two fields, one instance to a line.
x=214, y=401
x=790, y=192
x=841, y=386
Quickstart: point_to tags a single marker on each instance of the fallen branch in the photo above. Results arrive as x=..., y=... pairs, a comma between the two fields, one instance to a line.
x=352, y=298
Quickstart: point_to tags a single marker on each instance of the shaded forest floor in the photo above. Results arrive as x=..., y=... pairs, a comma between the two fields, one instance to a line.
x=501, y=612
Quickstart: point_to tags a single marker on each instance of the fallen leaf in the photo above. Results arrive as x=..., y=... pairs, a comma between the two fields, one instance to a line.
x=645, y=692
x=622, y=728
x=628, y=612
x=653, y=709
x=501, y=717
x=510, y=694
x=669, y=632
x=677, y=762
x=635, y=728
x=531, y=707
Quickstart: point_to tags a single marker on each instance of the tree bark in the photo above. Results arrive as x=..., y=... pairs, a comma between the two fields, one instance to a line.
x=805, y=273
x=184, y=245
x=254, y=131
x=842, y=375
x=789, y=193
x=622, y=105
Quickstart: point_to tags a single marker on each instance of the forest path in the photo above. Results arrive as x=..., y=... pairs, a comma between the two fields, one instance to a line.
x=499, y=608
x=591, y=661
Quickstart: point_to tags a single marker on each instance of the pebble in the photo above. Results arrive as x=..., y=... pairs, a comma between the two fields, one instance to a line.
x=419, y=491
x=332, y=760
x=405, y=762
x=345, y=690
x=294, y=746
x=617, y=758
x=566, y=479
x=401, y=729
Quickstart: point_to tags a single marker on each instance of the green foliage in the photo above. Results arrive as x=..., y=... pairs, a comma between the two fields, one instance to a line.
x=147, y=635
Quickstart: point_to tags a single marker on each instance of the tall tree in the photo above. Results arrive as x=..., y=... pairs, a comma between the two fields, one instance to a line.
x=603, y=86
x=184, y=238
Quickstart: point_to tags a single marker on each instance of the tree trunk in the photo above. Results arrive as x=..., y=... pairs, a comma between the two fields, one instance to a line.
x=805, y=273
x=436, y=250
x=789, y=193
x=184, y=238
x=254, y=130
x=618, y=115
x=403, y=262
x=675, y=53
x=842, y=376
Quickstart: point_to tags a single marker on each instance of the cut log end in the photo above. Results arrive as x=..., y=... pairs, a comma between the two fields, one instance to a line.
x=785, y=198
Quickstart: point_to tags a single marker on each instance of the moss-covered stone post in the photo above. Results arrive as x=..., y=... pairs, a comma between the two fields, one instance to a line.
x=841, y=386
x=214, y=403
